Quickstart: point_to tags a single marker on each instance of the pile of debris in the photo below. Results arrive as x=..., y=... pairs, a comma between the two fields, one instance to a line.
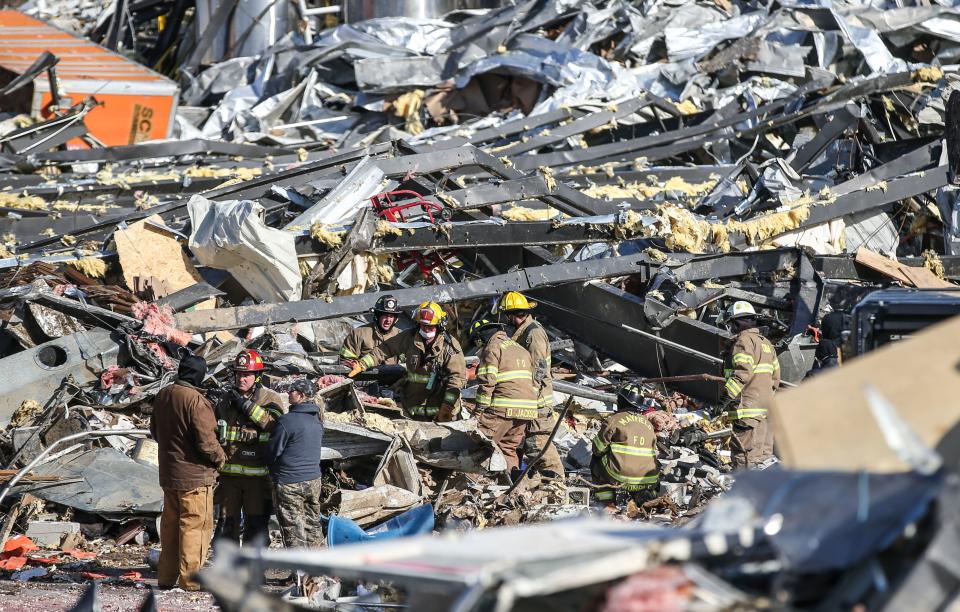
x=635, y=169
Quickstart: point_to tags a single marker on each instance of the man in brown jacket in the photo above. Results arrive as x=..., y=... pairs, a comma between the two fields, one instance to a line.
x=752, y=378
x=436, y=368
x=364, y=339
x=250, y=410
x=506, y=398
x=189, y=455
x=531, y=336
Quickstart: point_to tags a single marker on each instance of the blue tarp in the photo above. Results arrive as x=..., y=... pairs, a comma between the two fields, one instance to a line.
x=415, y=521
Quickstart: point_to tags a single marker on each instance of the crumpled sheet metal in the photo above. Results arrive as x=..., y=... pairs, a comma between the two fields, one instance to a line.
x=232, y=236
x=344, y=201
x=111, y=484
x=36, y=373
x=375, y=504
x=457, y=445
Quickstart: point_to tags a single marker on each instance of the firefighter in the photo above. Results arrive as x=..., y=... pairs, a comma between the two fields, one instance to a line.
x=506, y=397
x=530, y=335
x=246, y=414
x=436, y=368
x=624, y=450
x=752, y=377
x=364, y=339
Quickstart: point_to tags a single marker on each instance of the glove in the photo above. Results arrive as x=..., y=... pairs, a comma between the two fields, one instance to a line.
x=247, y=435
x=356, y=370
x=691, y=436
x=446, y=413
x=241, y=403
x=719, y=409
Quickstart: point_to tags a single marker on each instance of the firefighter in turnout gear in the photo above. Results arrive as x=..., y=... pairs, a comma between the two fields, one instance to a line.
x=624, y=451
x=436, y=368
x=506, y=397
x=246, y=414
x=752, y=377
x=531, y=336
x=364, y=339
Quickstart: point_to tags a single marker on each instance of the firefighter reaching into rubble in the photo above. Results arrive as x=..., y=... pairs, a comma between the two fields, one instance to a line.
x=364, y=339
x=436, y=368
x=624, y=450
x=506, y=397
x=531, y=336
x=246, y=414
x=752, y=377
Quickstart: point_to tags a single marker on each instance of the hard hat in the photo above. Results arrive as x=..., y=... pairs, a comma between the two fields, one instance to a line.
x=387, y=304
x=430, y=313
x=741, y=309
x=515, y=301
x=483, y=324
x=249, y=360
x=630, y=397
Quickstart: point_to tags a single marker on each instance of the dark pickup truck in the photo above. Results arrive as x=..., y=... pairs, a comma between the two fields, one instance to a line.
x=889, y=315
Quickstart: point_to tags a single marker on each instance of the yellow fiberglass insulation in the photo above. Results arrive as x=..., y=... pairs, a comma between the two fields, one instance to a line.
x=932, y=262
x=522, y=213
x=764, y=227
x=931, y=74
x=384, y=228
x=548, y=177
x=655, y=254
x=407, y=107
x=94, y=267
x=681, y=230
x=320, y=233
x=23, y=202
x=643, y=191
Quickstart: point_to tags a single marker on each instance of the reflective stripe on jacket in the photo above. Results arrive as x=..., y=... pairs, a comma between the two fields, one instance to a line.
x=625, y=447
x=247, y=436
x=362, y=340
x=753, y=376
x=534, y=339
x=506, y=380
x=436, y=373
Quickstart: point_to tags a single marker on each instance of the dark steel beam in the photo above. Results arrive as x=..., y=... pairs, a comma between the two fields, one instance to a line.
x=315, y=310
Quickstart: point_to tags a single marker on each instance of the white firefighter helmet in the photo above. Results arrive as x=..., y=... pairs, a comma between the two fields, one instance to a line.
x=741, y=309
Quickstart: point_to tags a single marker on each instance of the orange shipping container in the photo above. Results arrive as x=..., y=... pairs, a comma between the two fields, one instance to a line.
x=137, y=103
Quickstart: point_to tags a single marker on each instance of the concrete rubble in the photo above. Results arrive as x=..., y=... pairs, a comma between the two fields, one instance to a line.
x=635, y=167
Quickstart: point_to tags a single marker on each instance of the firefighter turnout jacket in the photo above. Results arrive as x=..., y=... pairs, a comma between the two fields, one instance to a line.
x=532, y=337
x=436, y=373
x=245, y=439
x=506, y=380
x=362, y=340
x=752, y=377
x=626, y=450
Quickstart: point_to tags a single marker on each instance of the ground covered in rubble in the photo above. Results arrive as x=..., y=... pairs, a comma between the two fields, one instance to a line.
x=634, y=168
x=22, y=597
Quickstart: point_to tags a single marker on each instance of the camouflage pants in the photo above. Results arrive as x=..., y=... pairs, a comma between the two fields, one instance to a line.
x=298, y=510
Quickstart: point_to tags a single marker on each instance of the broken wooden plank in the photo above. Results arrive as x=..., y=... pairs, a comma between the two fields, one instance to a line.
x=921, y=278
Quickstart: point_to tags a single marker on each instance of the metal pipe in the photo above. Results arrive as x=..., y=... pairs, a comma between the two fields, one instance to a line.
x=674, y=345
x=103, y=433
x=584, y=392
x=320, y=10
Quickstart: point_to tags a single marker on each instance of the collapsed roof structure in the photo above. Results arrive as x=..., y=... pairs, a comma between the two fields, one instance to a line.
x=635, y=167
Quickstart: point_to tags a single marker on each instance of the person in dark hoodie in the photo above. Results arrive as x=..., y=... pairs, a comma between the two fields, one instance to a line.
x=293, y=457
x=829, y=354
x=189, y=456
